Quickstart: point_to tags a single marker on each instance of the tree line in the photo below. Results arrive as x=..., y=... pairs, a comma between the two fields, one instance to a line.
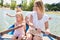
x=53, y=7
x=25, y=7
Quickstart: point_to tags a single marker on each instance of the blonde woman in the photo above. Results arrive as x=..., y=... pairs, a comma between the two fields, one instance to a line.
x=37, y=20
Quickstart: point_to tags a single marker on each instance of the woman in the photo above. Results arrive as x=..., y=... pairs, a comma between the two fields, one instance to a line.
x=37, y=20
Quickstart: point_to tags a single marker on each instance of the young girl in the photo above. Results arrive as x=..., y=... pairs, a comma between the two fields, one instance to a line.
x=37, y=20
x=20, y=32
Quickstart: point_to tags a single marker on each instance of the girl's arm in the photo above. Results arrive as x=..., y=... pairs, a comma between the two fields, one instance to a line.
x=24, y=26
x=50, y=18
x=10, y=15
x=28, y=20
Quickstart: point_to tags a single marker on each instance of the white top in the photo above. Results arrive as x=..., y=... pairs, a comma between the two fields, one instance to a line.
x=39, y=23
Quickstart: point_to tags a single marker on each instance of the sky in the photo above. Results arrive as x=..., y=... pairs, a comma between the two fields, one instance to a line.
x=44, y=1
x=50, y=1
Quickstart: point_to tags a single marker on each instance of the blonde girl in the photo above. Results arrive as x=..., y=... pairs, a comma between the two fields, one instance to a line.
x=20, y=32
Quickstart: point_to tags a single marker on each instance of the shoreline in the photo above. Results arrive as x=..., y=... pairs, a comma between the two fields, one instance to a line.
x=53, y=12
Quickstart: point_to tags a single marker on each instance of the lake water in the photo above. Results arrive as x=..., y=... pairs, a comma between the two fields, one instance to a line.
x=6, y=21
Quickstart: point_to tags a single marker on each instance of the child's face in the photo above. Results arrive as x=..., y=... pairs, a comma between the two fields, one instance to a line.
x=18, y=18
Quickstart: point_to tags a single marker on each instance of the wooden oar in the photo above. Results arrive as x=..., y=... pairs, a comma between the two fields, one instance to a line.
x=52, y=35
x=35, y=33
x=4, y=32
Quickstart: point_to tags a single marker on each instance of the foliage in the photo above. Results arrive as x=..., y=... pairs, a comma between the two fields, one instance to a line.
x=24, y=6
x=54, y=6
x=29, y=7
x=1, y=3
x=6, y=5
x=13, y=5
x=31, y=4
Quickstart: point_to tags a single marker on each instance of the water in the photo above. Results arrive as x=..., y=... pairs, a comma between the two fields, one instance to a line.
x=6, y=21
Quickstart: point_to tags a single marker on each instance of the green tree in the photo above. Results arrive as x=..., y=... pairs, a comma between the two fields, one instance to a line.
x=30, y=6
x=1, y=3
x=55, y=8
x=48, y=7
x=58, y=5
x=24, y=6
x=13, y=5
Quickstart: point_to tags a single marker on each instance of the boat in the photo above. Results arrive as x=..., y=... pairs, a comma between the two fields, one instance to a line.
x=9, y=35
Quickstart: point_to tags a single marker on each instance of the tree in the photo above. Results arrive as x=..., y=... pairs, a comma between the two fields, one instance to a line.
x=1, y=3
x=31, y=4
x=29, y=7
x=58, y=5
x=55, y=8
x=48, y=6
x=13, y=5
x=24, y=6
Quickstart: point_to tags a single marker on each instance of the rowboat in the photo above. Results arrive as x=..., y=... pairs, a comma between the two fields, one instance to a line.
x=10, y=34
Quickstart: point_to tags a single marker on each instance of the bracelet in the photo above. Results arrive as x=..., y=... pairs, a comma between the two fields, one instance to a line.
x=35, y=28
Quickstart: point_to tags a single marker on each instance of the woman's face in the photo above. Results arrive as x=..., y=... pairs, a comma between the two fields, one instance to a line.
x=35, y=8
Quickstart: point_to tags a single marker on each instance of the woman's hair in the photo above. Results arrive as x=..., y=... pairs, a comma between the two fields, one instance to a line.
x=40, y=5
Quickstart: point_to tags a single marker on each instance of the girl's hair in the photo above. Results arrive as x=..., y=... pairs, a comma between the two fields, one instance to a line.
x=20, y=16
x=40, y=5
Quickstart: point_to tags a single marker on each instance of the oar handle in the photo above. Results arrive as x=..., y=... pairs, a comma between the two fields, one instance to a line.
x=52, y=35
x=4, y=32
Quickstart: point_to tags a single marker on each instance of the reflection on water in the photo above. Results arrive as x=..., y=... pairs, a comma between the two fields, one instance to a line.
x=6, y=21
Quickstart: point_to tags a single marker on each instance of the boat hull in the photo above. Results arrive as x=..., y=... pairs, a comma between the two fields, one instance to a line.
x=8, y=37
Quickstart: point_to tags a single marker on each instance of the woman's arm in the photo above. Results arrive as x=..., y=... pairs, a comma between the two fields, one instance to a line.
x=29, y=21
x=47, y=28
x=10, y=15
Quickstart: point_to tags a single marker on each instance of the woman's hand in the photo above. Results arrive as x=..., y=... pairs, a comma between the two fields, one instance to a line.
x=7, y=14
x=39, y=30
x=47, y=32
